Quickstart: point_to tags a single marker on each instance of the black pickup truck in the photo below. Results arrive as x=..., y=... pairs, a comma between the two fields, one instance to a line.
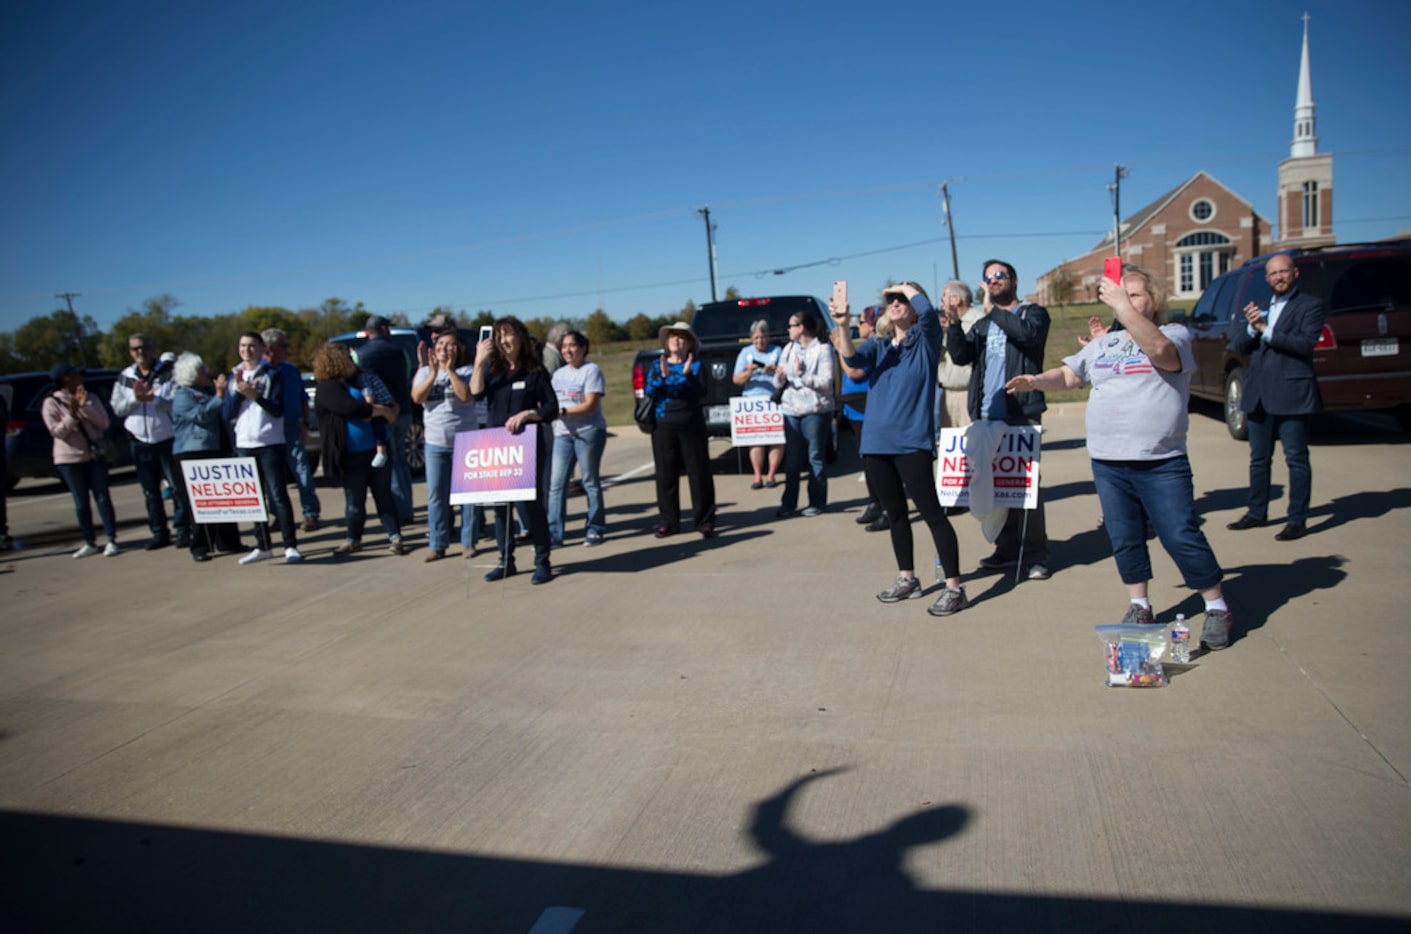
x=723, y=328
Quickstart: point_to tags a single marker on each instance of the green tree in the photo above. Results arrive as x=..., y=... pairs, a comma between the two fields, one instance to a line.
x=732, y=294
x=62, y=337
x=641, y=328
x=1060, y=286
x=600, y=329
x=154, y=319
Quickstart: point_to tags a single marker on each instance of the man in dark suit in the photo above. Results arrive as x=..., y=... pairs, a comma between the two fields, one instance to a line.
x=1280, y=393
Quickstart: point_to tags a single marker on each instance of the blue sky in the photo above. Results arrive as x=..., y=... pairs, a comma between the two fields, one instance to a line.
x=548, y=159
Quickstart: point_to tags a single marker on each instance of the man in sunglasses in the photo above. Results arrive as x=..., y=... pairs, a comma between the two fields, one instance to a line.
x=1007, y=342
x=142, y=398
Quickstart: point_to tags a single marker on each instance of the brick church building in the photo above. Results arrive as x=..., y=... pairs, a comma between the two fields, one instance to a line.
x=1200, y=228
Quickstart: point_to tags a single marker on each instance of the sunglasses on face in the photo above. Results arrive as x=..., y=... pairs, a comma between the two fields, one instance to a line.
x=997, y=276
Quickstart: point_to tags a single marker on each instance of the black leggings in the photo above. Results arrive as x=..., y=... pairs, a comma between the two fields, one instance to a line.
x=894, y=477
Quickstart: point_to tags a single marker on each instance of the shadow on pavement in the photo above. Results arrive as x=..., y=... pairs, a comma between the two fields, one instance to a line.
x=71, y=874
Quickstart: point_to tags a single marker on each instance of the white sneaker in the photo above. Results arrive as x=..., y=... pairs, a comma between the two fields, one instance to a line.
x=259, y=554
x=111, y=550
x=292, y=556
x=87, y=551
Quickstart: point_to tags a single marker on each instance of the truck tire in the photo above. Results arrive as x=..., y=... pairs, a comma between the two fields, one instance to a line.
x=415, y=446
x=1235, y=419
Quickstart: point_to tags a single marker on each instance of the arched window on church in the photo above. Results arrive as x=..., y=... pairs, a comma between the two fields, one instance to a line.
x=1200, y=257
x=1310, y=205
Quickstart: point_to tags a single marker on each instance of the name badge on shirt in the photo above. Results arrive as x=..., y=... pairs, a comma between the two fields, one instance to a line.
x=517, y=385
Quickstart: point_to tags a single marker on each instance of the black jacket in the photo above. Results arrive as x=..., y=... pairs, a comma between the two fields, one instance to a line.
x=1026, y=328
x=333, y=406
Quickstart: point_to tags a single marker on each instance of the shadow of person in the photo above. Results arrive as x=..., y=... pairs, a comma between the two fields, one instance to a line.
x=1369, y=504
x=852, y=885
x=1257, y=591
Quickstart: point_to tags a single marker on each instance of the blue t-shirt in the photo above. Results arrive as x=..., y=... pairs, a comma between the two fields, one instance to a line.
x=761, y=383
x=901, y=400
x=992, y=401
x=359, y=429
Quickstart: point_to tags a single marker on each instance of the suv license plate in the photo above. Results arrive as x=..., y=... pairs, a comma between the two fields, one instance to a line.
x=1381, y=347
x=720, y=414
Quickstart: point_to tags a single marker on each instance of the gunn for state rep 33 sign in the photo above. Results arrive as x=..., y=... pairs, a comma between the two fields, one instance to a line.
x=493, y=466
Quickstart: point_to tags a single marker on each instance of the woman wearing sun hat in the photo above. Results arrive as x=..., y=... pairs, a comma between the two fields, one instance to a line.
x=679, y=442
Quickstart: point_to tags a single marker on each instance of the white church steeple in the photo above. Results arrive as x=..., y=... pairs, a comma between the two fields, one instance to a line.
x=1306, y=176
x=1305, y=136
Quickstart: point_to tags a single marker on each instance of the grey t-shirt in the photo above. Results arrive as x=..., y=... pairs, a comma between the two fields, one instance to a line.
x=442, y=413
x=572, y=385
x=1136, y=412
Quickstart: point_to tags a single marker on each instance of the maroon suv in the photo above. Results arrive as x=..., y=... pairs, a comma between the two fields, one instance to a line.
x=1363, y=359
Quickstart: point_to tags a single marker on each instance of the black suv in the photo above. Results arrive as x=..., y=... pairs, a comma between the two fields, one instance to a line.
x=1363, y=359
x=29, y=449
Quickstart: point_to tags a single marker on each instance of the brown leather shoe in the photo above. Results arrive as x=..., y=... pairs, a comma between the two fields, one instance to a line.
x=434, y=556
x=310, y=524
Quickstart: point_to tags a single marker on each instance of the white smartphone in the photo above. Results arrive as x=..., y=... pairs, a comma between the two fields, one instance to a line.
x=487, y=331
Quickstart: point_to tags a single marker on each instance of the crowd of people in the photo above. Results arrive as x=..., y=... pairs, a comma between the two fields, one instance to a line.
x=913, y=370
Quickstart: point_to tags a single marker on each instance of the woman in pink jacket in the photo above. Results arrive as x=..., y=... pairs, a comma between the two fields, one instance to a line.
x=77, y=421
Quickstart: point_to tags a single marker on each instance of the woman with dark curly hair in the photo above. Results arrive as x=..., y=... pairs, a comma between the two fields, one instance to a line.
x=509, y=375
x=346, y=410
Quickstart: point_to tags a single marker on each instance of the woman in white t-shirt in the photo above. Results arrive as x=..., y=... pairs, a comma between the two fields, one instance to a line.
x=442, y=389
x=1136, y=421
x=580, y=433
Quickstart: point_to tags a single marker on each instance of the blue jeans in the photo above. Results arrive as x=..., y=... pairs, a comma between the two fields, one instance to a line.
x=1132, y=492
x=83, y=479
x=153, y=462
x=1292, y=432
x=358, y=476
x=300, y=470
x=401, y=470
x=270, y=460
x=584, y=446
x=806, y=435
x=439, y=514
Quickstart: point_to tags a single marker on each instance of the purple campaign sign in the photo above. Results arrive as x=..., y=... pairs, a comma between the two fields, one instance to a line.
x=493, y=466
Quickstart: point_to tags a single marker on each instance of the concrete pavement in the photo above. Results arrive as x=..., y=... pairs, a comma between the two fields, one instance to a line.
x=730, y=735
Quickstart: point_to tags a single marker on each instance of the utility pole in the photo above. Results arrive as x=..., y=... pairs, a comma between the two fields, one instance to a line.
x=77, y=326
x=710, y=248
x=1119, y=172
x=945, y=206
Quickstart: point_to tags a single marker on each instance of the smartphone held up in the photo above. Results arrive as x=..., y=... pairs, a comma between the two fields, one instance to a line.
x=1112, y=269
x=840, y=300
